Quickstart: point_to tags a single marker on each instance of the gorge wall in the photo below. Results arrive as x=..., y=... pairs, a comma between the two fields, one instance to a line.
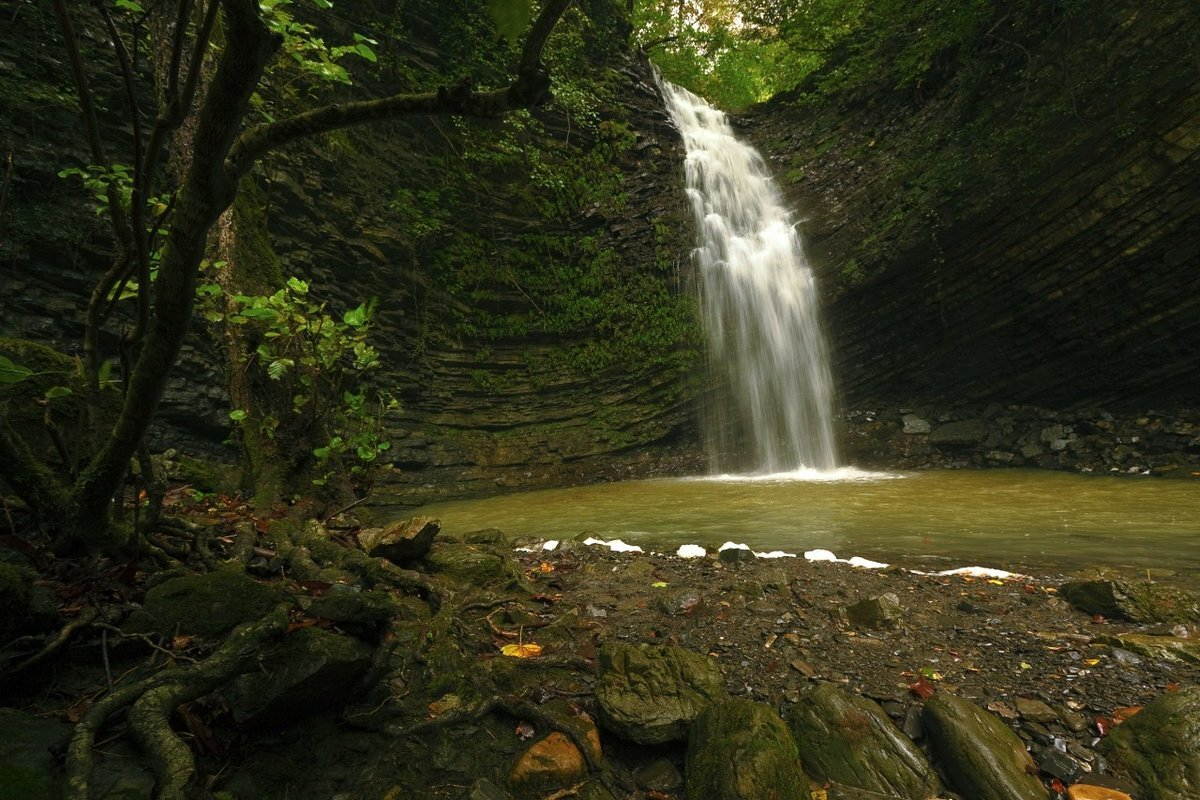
x=1019, y=228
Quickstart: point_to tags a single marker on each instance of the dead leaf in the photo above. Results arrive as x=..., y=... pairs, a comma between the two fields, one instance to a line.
x=1119, y=715
x=180, y=642
x=922, y=688
x=528, y=650
x=524, y=730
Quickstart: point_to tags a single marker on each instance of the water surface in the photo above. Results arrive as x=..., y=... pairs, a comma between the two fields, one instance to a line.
x=1040, y=521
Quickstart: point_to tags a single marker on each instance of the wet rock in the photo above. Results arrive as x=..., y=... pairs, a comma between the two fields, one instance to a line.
x=742, y=750
x=313, y=670
x=1161, y=648
x=961, y=432
x=553, y=761
x=1140, y=601
x=204, y=605
x=401, y=542
x=1160, y=746
x=479, y=565
x=1036, y=710
x=736, y=555
x=978, y=754
x=850, y=740
x=875, y=612
x=652, y=694
x=1059, y=765
x=660, y=775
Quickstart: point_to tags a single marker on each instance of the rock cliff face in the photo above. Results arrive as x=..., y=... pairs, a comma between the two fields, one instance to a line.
x=1025, y=232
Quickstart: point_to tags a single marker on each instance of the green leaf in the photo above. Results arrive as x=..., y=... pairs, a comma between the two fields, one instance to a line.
x=511, y=17
x=237, y=415
x=12, y=373
x=298, y=286
x=58, y=391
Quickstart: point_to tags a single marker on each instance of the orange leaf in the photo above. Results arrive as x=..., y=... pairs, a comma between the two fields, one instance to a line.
x=529, y=650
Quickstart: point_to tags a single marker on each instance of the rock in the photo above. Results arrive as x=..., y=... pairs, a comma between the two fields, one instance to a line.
x=401, y=542
x=1160, y=746
x=479, y=565
x=875, y=612
x=24, y=606
x=1086, y=791
x=962, y=432
x=1060, y=765
x=483, y=789
x=27, y=748
x=1159, y=648
x=742, y=750
x=553, y=761
x=850, y=740
x=660, y=775
x=204, y=605
x=1036, y=710
x=914, y=424
x=345, y=603
x=1140, y=601
x=311, y=671
x=736, y=555
x=651, y=694
x=978, y=754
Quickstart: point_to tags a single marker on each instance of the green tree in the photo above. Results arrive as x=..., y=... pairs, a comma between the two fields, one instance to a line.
x=212, y=59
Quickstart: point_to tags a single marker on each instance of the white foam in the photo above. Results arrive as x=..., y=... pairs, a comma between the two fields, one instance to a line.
x=805, y=475
x=981, y=572
x=550, y=545
x=690, y=551
x=616, y=545
x=819, y=555
x=732, y=546
x=855, y=561
x=776, y=554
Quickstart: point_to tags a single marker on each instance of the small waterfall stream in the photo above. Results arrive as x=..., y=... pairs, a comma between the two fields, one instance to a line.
x=771, y=409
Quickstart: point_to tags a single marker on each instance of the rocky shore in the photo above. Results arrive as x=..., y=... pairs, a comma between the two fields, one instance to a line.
x=391, y=664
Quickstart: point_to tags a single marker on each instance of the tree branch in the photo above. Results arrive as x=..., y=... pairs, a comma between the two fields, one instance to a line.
x=530, y=88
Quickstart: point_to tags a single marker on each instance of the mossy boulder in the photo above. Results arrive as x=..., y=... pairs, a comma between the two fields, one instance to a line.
x=27, y=747
x=651, y=695
x=477, y=565
x=311, y=671
x=22, y=605
x=850, y=740
x=205, y=605
x=742, y=750
x=1159, y=747
x=979, y=755
x=1135, y=601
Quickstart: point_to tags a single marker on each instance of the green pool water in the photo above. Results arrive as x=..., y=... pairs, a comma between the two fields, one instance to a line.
x=1010, y=519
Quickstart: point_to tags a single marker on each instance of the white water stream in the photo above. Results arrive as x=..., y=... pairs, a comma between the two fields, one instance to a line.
x=771, y=404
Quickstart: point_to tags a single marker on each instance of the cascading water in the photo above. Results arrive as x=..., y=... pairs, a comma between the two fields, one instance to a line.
x=771, y=409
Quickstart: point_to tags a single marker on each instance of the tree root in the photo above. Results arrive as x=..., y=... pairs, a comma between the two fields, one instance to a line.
x=154, y=699
x=85, y=618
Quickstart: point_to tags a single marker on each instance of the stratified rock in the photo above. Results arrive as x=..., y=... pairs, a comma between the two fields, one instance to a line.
x=1159, y=648
x=401, y=542
x=204, y=605
x=850, y=740
x=914, y=424
x=651, y=694
x=1036, y=710
x=1136, y=601
x=978, y=754
x=742, y=750
x=1159, y=747
x=875, y=612
x=312, y=671
x=963, y=432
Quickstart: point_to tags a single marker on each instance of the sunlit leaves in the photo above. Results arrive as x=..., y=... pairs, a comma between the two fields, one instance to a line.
x=511, y=17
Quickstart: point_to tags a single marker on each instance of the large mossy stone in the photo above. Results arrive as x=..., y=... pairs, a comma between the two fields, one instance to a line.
x=477, y=565
x=978, y=754
x=742, y=750
x=849, y=740
x=312, y=671
x=1135, y=601
x=401, y=542
x=27, y=748
x=1159, y=747
x=205, y=605
x=652, y=694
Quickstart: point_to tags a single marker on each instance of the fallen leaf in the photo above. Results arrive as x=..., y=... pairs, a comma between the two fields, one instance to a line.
x=180, y=642
x=529, y=650
x=545, y=566
x=995, y=582
x=922, y=688
x=659, y=584
x=1091, y=662
x=1119, y=715
x=1103, y=725
x=524, y=730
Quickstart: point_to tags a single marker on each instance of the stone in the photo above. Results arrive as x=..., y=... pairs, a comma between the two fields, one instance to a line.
x=1135, y=601
x=483, y=789
x=27, y=747
x=1060, y=765
x=1036, y=710
x=552, y=761
x=344, y=603
x=978, y=754
x=312, y=671
x=850, y=740
x=1086, y=791
x=651, y=695
x=660, y=775
x=914, y=424
x=204, y=605
x=1159, y=747
x=736, y=555
x=401, y=542
x=1160, y=648
x=741, y=750
x=480, y=565
x=962, y=432
x=875, y=612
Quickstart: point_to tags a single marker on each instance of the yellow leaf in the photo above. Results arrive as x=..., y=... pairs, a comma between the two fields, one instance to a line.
x=1091, y=662
x=819, y=794
x=529, y=650
x=995, y=582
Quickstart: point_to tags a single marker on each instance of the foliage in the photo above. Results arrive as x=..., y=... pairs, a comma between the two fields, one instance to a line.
x=323, y=364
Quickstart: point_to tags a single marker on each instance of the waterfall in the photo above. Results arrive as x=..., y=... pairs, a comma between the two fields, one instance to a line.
x=771, y=405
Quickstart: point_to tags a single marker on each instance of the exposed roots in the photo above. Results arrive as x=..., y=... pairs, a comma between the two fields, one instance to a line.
x=85, y=618
x=153, y=700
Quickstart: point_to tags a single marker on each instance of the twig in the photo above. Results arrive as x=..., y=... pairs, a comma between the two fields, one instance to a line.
x=85, y=618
